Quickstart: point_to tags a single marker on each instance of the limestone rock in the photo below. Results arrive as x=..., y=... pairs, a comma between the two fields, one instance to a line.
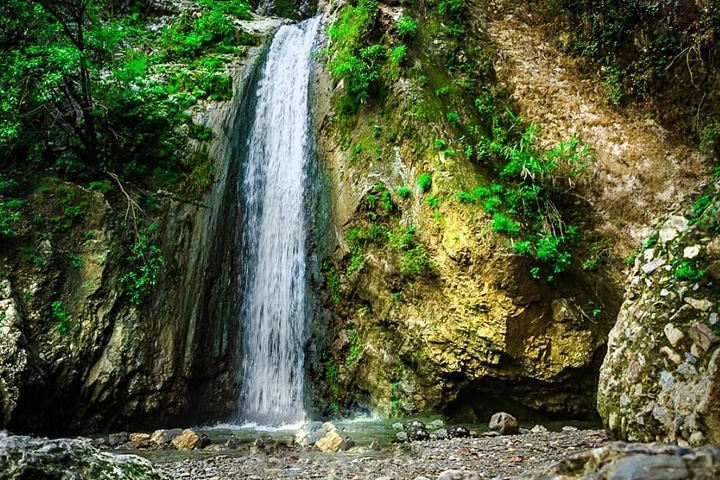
x=115, y=439
x=504, y=423
x=662, y=367
x=309, y=434
x=538, y=429
x=331, y=442
x=163, y=437
x=140, y=439
x=187, y=440
x=27, y=457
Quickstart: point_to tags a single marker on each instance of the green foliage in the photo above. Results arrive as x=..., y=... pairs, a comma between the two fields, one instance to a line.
x=453, y=118
x=614, y=84
x=33, y=256
x=442, y=91
x=432, y=201
x=651, y=241
x=710, y=140
x=62, y=320
x=146, y=261
x=331, y=374
x=9, y=218
x=414, y=261
x=425, y=182
x=356, y=347
x=102, y=186
x=81, y=90
x=407, y=26
x=75, y=260
x=701, y=204
x=349, y=58
x=643, y=40
x=687, y=270
x=440, y=144
x=464, y=197
x=7, y=184
x=503, y=224
x=404, y=192
x=370, y=199
x=333, y=283
x=523, y=203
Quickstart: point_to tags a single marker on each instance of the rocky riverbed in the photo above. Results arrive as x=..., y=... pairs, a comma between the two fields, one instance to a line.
x=485, y=457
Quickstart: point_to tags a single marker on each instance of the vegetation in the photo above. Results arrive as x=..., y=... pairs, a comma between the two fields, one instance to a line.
x=81, y=92
x=425, y=181
x=146, y=260
x=62, y=320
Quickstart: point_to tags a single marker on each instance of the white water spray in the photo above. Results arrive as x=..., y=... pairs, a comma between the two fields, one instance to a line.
x=274, y=179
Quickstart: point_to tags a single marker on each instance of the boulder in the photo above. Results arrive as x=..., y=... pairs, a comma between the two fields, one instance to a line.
x=187, y=440
x=659, y=378
x=416, y=431
x=619, y=460
x=458, y=431
x=309, y=434
x=27, y=457
x=115, y=439
x=331, y=442
x=504, y=423
x=164, y=437
x=232, y=442
x=140, y=439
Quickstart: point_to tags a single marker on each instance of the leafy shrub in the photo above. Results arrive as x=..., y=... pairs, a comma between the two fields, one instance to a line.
x=425, y=182
x=464, y=197
x=414, y=261
x=453, y=118
x=442, y=91
x=403, y=191
x=62, y=321
x=9, y=217
x=146, y=261
x=686, y=270
x=710, y=140
x=502, y=223
x=407, y=26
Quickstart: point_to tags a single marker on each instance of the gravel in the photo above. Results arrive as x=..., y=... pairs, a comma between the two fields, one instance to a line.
x=489, y=457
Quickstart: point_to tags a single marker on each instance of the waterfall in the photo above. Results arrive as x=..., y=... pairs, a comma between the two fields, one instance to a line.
x=274, y=180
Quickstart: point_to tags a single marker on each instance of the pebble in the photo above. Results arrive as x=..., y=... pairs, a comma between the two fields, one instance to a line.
x=473, y=458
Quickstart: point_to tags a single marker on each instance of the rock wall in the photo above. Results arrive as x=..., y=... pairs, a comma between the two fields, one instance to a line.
x=77, y=355
x=470, y=334
x=659, y=380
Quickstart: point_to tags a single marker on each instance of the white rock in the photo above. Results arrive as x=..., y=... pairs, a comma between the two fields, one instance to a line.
x=674, y=225
x=691, y=252
x=673, y=334
x=702, y=305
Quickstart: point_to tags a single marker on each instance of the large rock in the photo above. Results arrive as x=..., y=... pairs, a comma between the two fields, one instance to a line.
x=187, y=440
x=624, y=461
x=65, y=459
x=661, y=374
x=331, y=442
x=504, y=423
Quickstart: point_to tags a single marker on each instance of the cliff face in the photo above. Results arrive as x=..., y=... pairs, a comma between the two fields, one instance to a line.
x=77, y=352
x=430, y=307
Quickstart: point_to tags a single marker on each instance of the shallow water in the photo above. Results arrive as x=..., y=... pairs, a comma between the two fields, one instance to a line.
x=363, y=431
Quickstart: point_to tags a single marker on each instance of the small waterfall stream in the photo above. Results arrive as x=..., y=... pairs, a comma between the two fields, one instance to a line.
x=274, y=181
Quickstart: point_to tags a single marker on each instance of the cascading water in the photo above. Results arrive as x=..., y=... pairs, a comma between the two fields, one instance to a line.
x=274, y=179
